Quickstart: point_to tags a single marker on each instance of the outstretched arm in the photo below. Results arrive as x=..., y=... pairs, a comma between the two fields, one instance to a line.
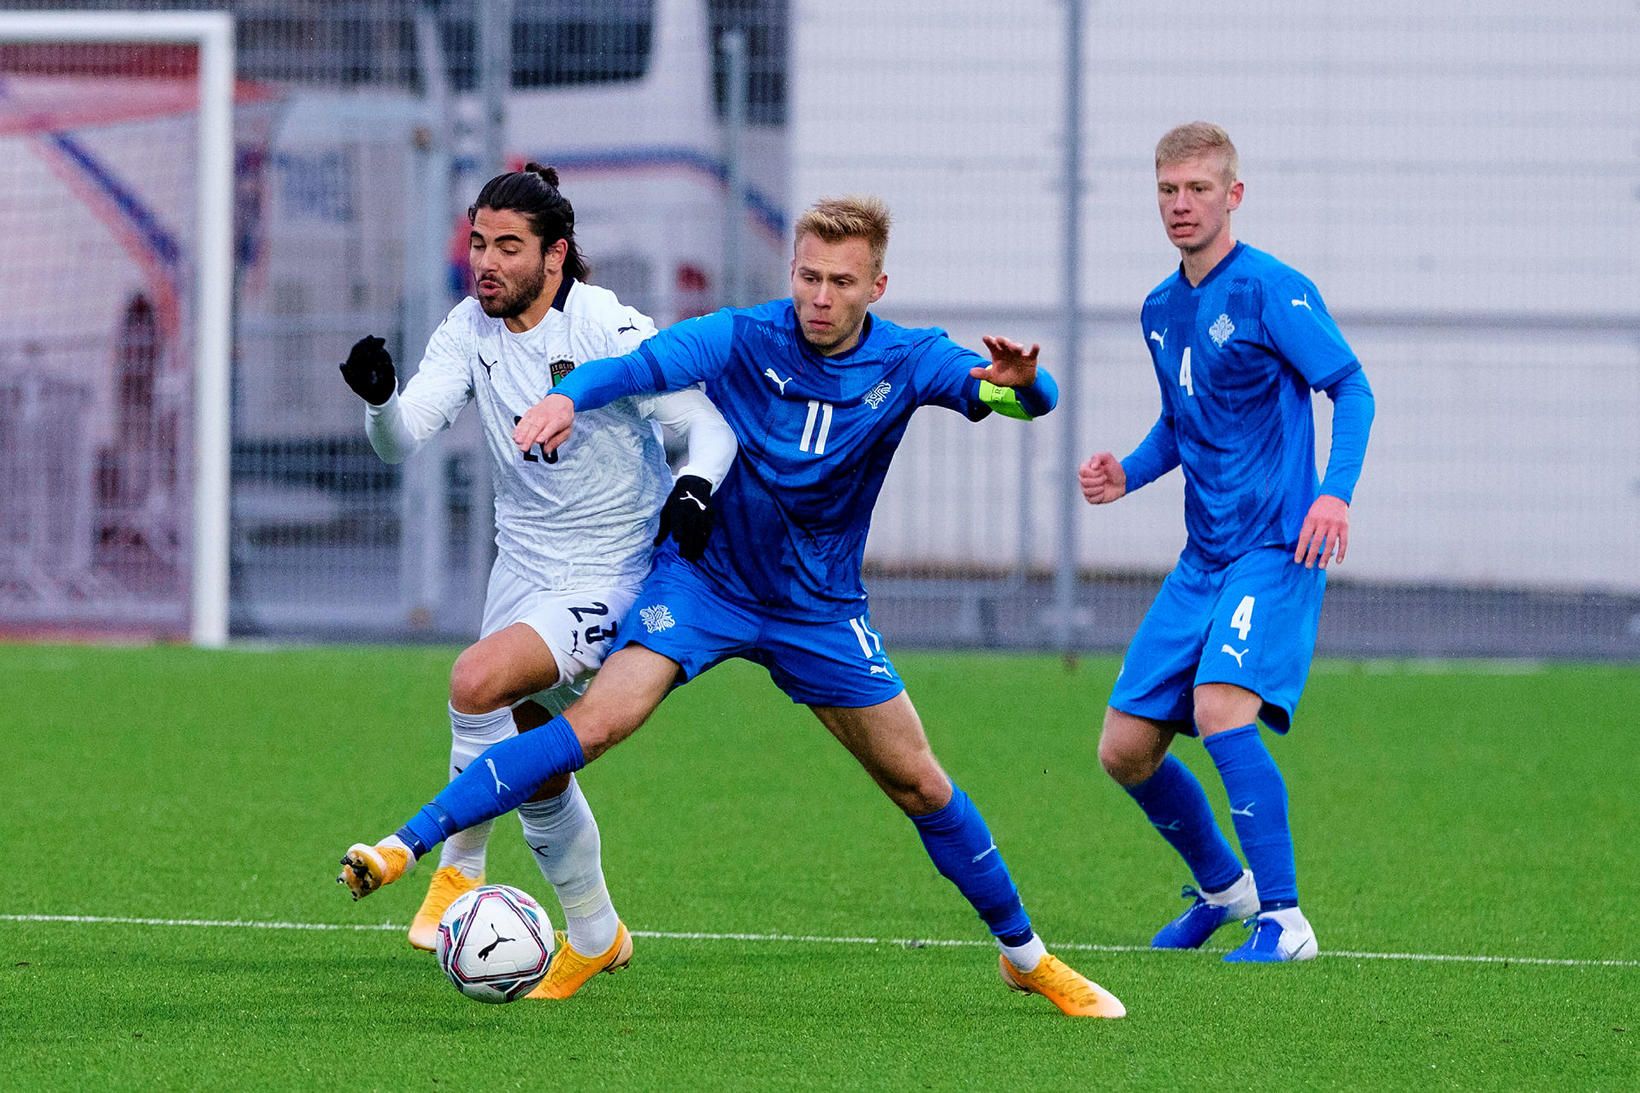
x=694, y=350
x=1012, y=384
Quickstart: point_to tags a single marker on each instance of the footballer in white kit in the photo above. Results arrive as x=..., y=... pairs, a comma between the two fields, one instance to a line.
x=574, y=528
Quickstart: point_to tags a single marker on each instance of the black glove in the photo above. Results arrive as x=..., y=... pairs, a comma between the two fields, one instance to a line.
x=687, y=516
x=369, y=371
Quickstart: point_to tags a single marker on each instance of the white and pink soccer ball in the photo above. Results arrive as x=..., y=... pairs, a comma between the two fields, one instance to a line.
x=495, y=943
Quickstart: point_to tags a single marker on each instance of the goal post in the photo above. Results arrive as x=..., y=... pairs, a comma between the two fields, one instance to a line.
x=67, y=81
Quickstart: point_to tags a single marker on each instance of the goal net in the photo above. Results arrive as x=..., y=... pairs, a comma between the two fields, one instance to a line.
x=116, y=239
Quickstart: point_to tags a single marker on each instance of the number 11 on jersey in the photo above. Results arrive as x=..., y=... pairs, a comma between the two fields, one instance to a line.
x=822, y=411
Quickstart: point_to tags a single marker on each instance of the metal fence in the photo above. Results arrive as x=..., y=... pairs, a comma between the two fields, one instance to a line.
x=1445, y=176
x=1436, y=172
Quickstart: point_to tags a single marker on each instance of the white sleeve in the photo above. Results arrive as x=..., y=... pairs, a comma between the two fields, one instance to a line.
x=400, y=425
x=693, y=432
x=435, y=395
x=633, y=329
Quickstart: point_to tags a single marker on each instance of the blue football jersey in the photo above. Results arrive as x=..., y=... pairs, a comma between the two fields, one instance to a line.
x=816, y=436
x=1237, y=357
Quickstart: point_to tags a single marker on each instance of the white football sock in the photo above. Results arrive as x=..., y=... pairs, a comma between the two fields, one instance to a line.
x=470, y=735
x=1027, y=956
x=1241, y=897
x=563, y=836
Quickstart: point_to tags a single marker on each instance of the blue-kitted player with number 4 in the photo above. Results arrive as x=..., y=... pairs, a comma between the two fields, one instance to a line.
x=1239, y=341
x=818, y=393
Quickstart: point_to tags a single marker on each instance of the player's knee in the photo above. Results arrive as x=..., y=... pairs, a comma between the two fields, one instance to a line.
x=602, y=720
x=917, y=787
x=921, y=797
x=475, y=686
x=1126, y=765
x=1220, y=708
x=1130, y=750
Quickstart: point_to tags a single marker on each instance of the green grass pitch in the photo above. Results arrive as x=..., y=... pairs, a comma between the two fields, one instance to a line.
x=1456, y=813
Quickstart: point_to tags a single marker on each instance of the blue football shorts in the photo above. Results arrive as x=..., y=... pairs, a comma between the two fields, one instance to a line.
x=1252, y=623
x=821, y=663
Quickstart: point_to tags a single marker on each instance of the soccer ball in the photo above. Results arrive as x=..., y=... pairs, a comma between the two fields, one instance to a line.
x=494, y=943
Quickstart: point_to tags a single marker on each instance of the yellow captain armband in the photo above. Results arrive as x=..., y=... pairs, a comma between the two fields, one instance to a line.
x=1004, y=400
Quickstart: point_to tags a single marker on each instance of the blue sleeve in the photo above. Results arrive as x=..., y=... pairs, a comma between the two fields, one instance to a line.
x=943, y=379
x=685, y=354
x=1156, y=454
x=1298, y=326
x=1353, y=407
x=1041, y=396
x=942, y=376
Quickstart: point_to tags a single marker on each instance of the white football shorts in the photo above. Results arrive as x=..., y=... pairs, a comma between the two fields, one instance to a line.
x=579, y=627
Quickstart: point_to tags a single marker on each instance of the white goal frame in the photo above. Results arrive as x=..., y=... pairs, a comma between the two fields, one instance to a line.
x=213, y=34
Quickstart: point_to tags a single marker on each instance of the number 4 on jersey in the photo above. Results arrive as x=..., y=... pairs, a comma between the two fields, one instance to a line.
x=1242, y=621
x=1189, y=389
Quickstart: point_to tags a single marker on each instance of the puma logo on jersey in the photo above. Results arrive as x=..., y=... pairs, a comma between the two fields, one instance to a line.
x=629, y=326
x=1304, y=303
x=1232, y=652
x=778, y=382
x=487, y=365
x=1159, y=339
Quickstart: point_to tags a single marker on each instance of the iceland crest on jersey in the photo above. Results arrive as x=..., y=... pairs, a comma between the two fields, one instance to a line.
x=656, y=618
x=1221, y=330
x=875, y=396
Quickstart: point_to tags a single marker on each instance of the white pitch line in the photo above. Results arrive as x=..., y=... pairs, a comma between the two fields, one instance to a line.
x=804, y=939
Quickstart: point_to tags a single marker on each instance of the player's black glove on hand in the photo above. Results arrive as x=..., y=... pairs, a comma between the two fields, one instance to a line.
x=369, y=371
x=687, y=516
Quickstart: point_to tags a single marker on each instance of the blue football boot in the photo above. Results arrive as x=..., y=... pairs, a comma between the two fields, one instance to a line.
x=1278, y=937
x=1207, y=913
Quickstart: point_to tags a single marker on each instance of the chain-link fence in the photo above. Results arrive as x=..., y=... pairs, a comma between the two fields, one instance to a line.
x=363, y=132
x=1460, y=186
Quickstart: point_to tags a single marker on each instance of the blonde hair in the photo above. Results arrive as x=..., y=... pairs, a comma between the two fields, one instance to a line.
x=835, y=219
x=1198, y=138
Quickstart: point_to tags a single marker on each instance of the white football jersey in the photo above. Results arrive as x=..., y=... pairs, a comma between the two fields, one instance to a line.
x=585, y=515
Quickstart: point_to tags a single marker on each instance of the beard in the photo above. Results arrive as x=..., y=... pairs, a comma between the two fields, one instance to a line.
x=509, y=305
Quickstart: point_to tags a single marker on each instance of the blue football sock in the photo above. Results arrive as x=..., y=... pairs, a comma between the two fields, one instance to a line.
x=502, y=778
x=1258, y=806
x=960, y=844
x=1176, y=806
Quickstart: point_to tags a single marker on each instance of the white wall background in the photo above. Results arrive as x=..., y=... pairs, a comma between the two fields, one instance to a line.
x=1462, y=181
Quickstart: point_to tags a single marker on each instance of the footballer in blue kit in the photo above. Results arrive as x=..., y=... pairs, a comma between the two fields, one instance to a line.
x=1239, y=341
x=818, y=393
x=780, y=580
